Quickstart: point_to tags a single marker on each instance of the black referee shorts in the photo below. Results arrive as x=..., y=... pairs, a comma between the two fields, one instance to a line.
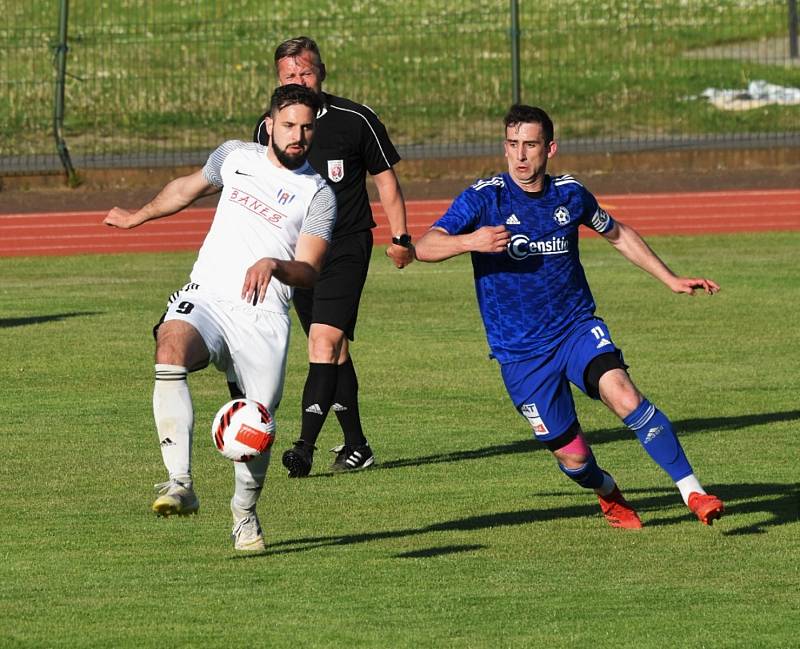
x=335, y=297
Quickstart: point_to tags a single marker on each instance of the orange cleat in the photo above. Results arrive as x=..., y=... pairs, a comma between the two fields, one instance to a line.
x=618, y=511
x=706, y=507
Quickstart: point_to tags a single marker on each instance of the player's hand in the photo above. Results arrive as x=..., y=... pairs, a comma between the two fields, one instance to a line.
x=689, y=285
x=121, y=218
x=490, y=238
x=256, y=280
x=400, y=255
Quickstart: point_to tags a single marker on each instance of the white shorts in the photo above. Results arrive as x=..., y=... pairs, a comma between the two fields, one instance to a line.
x=247, y=343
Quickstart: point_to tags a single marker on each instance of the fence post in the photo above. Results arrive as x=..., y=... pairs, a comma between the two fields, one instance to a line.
x=58, y=108
x=514, y=31
x=793, y=52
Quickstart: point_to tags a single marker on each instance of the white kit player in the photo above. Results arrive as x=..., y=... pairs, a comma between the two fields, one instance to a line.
x=270, y=233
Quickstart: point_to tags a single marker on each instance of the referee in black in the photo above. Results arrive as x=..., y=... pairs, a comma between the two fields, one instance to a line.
x=349, y=142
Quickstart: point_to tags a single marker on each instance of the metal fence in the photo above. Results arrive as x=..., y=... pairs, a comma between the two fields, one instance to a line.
x=161, y=82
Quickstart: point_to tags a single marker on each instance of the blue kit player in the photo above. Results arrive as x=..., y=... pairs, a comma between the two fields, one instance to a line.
x=521, y=229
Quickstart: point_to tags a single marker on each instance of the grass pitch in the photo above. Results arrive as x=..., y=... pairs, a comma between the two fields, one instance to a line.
x=464, y=534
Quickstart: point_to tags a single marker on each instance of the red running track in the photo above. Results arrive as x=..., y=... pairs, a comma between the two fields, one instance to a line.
x=74, y=233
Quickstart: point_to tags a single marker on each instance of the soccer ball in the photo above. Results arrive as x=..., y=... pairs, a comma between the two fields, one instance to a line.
x=243, y=429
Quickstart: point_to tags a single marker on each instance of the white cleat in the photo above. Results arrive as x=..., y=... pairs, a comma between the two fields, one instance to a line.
x=247, y=535
x=175, y=498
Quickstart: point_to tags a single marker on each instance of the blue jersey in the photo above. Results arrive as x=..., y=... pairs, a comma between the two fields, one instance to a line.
x=534, y=293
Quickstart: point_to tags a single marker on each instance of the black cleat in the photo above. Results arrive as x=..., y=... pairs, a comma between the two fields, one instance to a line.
x=352, y=458
x=298, y=459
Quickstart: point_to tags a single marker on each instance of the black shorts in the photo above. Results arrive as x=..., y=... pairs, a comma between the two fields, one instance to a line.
x=335, y=297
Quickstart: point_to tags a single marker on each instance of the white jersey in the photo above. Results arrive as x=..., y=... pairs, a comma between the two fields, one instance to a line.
x=261, y=212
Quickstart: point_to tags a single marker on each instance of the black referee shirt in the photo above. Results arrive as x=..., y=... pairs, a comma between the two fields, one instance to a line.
x=349, y=141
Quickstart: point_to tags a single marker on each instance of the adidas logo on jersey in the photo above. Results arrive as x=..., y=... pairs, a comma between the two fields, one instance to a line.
x=603, y=343
x=315, y=409
x=512, y=220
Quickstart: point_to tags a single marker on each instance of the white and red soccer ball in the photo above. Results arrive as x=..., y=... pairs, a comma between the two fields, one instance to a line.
x=243, y=429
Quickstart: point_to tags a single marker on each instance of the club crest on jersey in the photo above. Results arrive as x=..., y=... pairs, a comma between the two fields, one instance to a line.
x=561, y=215
x=531, y=413
x=335, y=170
x=284, y=197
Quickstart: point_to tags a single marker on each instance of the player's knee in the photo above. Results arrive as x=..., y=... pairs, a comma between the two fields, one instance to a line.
x=622, y=399
x=628, y=402
x=618, y=392
x=324, y=344
x=570, y=448
x=168, y=350
x=178, y=343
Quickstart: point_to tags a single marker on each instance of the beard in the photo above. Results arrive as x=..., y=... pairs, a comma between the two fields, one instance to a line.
x=289, y=161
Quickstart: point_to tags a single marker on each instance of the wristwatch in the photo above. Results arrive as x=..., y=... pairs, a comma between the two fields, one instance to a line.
x=403, y=240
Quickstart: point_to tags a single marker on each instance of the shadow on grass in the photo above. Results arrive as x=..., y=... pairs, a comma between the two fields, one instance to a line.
x=598, y=437
x=438, y=552
x=779, y=502
x=6, y=323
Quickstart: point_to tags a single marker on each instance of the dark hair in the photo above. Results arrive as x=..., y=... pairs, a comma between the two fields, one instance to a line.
x=291, y=94
x=295, y=47
x=523, y=114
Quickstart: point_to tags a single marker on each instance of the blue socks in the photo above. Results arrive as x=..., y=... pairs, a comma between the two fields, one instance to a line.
x=656, y=435
x=588, y=475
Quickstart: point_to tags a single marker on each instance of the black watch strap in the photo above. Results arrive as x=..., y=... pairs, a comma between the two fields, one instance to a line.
x=403, y=240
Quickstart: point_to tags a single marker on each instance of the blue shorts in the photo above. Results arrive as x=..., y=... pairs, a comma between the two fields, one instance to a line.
x=539, y=386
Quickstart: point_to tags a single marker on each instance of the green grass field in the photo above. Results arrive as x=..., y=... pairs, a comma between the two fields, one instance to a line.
x=465, y=534
x=175, y=75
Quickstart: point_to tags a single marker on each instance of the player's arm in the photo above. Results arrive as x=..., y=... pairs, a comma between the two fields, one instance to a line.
x=630, y=245
x=391, y=197
x=177, y=194
x=301, y=272
x=437, y=244
x=309, y=254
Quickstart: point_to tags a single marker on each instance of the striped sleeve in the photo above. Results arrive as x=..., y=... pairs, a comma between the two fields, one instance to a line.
x=601, y=221
x=597, y=218
x=213, y=167
x=321, y=214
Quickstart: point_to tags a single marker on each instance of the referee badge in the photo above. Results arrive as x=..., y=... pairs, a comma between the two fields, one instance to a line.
x=335, y=170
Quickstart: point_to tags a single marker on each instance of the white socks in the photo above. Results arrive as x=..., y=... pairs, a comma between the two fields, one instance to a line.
x=172, y=409
x=687, y=485
x=174, y=415
x=249, y=480
x=607, y=487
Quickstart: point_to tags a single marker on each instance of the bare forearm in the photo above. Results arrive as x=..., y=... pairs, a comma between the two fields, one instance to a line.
x=299, y=274
x=171, y=199
x=391, y=197
x=176, y=195
x=436, y=245
x=395, y=208
x=630, y=245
